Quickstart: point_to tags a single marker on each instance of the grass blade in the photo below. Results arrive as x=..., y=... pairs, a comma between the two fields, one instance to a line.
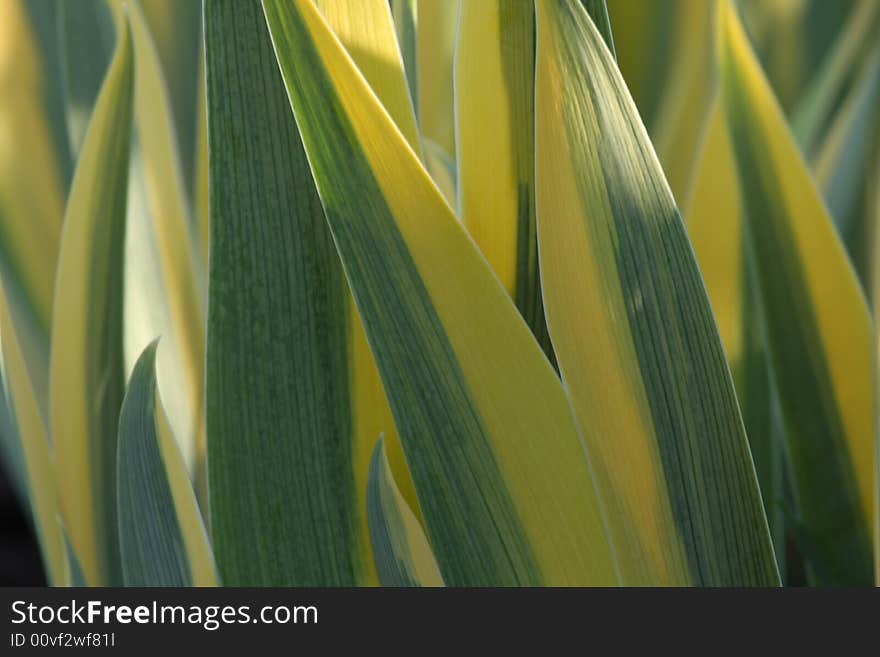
x=633, y=331
x=504, y=488
x=821, y=339
x=162, y=538
x=400, y=548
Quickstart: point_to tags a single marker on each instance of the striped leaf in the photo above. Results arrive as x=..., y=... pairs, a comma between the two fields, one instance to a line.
x=175, y=26
x=74, y=575
x=598, y=11
x=162, y=539
x=504, y=488
x=816, y=107
x=435, y=48
x=163, y=278
x=283, y=498
x=715, y=227
x=633, y=331
x=87, y=36
x=679, y=126
x=820, y=335
x=401, y=550
x=366, y=29
x=176, y=256
x=32, y=188
x=405, y=14
x=86, y=382
x=842, y=167
x=38, y=470
x=201, y=163
x=495, y=130
x=645, y=44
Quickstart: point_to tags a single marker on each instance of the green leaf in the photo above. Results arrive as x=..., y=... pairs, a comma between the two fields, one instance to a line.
x=180, y=274
x=366, y=29
x=715, y=227
x=285, y=509
x=33, y=447
x=176, y=27
x=689, y=87
x=495, y=137
x=400, y=548
x=822, y=342
x=86, y=37
x=435, y=50
x=87, y=377
x=842, y=167
x=74, y=573
x=637, y=346
x=505, y=491
x=34, y=175
x=405, y=14
x=162, y=538
x=598, y=12
x=815, y=109
x=164, y=280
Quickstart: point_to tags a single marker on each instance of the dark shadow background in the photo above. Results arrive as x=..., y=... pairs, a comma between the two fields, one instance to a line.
x=20, y=563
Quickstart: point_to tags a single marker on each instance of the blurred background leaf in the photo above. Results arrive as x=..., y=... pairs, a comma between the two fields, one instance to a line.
x=87, y=381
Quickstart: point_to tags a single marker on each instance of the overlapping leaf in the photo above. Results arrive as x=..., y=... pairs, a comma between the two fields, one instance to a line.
x=820, y=336
x=34, y=174
x=401, y=551
x=162, y=538
x=633, y=331
x=87, y=377
x=495, y=132
x=504, y=488
x=36, y=457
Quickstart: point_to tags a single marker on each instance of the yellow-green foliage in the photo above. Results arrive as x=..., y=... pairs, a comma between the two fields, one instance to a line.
x=471, y=292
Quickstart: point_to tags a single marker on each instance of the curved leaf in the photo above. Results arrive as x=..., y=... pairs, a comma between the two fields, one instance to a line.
x=495, y=137
x=820, y=335
x=435, y=48
x=401, y=550
x=504, y=488
x=32, y=188
x=715, y=227
x=34, y=444
x=633, y=331
x=177, y=260
x=366, y=29
x=842, y=166
x=405, y=14
x=162, y=539
x=816, y=106
x=86, y=382
x=680, y=123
